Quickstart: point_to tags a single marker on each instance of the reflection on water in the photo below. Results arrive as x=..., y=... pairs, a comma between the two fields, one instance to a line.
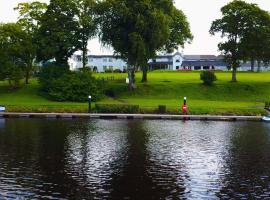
x=2, y=123
x=122, y=159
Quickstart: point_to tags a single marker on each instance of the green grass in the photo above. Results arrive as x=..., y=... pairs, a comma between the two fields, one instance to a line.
x=164, y=88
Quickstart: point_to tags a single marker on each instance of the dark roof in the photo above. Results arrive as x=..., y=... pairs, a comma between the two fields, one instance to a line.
x=203, y=57
x=102, y=56
x=204, y=63
x=160, y=63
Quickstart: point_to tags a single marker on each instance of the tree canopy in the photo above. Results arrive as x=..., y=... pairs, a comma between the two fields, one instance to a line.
x=87, y=23
x=137, y=30
x=29, y=19
x=242, y=25
x=59, y=33
x=15, y=45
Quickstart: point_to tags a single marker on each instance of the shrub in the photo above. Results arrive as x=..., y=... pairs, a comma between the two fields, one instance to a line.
x=109, y=92
x=48, y=74
x=161, y=109
x=108, y=70
x=208, y=77
x=117, y=108
x=117, y=71
x=63, y=85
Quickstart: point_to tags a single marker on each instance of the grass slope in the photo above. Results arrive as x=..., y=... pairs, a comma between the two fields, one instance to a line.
x=164, y=88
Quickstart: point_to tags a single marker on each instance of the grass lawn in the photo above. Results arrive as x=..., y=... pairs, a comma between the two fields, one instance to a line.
x=164, y=88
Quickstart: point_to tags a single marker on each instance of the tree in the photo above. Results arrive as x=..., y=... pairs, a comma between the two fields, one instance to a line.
x=256, y=40
x=88, y=25
x=137, y=30
x=13, y=46
x=179, y=33
x=59, y=33
x=234, y=26
x=29, y=19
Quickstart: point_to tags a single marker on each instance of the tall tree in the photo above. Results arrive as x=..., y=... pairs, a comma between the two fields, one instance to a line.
x=234, y=26
x=29, y=19
x=13, y=47
x=88, y=25
x=59, y=33
x=138, y=29
x=256, y=40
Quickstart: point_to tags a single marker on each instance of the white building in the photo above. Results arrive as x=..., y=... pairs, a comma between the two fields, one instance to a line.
x=177, y=61
x=98, y=63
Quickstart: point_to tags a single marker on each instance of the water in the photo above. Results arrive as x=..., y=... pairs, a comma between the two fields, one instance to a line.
x=129, y=159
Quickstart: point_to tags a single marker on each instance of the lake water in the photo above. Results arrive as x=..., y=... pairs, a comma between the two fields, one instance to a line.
x=129, y=159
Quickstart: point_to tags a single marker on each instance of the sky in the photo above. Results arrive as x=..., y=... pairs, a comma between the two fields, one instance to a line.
x=200, y=14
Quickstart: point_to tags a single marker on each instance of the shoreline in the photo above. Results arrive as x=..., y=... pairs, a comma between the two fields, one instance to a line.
x=130, y=116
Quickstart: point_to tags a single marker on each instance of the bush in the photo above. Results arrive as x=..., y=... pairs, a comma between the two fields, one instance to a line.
x=63, y=85
x=108, y=71
x=117, y=108
x=117, y=71
x=48, y=74
x=161, y=109
x=109, y=92
x=208, y=77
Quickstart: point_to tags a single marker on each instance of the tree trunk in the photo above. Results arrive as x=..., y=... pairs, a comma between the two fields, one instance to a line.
x=144, y=77
x=27, y=75
x=259, y=66
x=84, y=52
x=234, y=74
x=252, y=64
x=131, y=77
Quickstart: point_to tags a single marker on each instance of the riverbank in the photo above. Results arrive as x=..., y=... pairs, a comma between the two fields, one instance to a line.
x=246, y=97
x=131, y=116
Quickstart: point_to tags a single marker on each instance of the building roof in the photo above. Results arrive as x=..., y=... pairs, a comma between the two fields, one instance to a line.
x=202, y=57
x=204, y=63
x=160, y=63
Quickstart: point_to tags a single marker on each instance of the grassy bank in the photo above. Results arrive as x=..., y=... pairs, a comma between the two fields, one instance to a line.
x=245, y=97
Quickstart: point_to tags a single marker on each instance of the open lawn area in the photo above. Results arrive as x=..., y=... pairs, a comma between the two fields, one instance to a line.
x=245, y=97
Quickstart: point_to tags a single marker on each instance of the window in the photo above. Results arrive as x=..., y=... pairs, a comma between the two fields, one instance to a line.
x=110, y=59
x=91, y=59
x=104, y=68
x=104, y=59
x=197, y=68
x=177, y=67
x=79, y=58
x=177, y=61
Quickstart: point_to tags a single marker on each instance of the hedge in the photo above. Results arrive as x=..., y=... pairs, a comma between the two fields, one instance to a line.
x=117, y=108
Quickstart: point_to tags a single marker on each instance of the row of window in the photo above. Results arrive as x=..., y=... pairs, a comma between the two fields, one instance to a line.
x=79, y=59
x=104, y=59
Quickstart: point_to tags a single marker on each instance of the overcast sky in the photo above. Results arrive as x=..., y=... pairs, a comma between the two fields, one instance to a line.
x=200, y=14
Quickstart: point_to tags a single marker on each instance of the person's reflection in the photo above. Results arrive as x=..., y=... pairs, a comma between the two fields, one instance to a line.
x=247, y=169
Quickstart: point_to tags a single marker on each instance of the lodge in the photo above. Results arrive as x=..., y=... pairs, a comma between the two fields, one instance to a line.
x=173, y=62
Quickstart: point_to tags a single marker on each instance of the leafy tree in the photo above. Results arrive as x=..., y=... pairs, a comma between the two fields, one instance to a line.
x=137, y=30
x=256, y=40
x=59, y=33
x=88, y=25
x=30, y=15
x=235, y=25
x=29, y=19
x=13, y=46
